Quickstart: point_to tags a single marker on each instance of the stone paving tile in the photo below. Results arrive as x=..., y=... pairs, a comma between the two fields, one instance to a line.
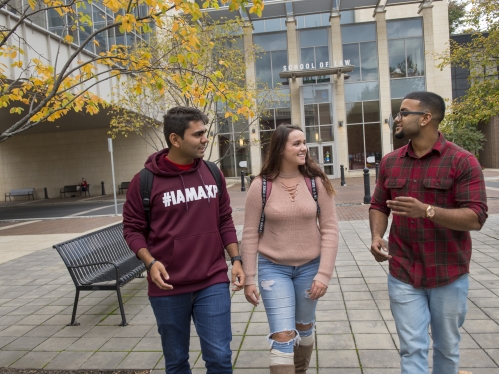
x=120, y=344
x=137, y=360
x=34, y=360
x=379, y=358
x=104, y=360
x=335, y=342
x=55, y=344
x=7, y=358
x=68, y=361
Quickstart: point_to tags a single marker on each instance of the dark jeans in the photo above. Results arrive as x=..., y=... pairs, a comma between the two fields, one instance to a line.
x=210, y=312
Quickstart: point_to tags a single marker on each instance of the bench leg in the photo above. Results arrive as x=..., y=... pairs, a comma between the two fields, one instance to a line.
x=122, y=309
x=75, y=305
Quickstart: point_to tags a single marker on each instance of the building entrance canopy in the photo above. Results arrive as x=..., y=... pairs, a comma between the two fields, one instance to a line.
x=315, y=72
x=291, y=8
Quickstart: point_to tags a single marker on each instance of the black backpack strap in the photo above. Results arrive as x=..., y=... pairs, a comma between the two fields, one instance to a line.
x=146, y=178
x=215, y=171
x=264, y=201
x=314, y=195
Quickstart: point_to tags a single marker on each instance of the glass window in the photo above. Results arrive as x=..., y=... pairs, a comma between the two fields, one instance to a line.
x=271, y=42
x=263, y=70
x=351, y=52
x=312, y=38
x=269, y=25
x=312, y=20
x=364, y=134
x=361, y=91
x=396, y=58
x=415, y=57
x=316, y=94
x=347, y=16
x=369, y=61
x=404, y=28
x=401, y=87
x=268, y=123
x=318, y=121
x=56, y=22
x=363, y=32
x=273, y=25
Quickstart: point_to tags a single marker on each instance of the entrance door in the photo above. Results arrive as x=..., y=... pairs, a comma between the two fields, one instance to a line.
x=323, y=155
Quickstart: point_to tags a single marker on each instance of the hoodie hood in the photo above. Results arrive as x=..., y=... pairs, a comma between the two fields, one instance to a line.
x=157, y=164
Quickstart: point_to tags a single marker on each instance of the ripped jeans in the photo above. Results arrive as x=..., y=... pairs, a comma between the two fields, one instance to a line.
x=283, y=290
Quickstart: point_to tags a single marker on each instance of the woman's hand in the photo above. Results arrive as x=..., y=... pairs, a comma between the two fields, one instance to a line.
x=252, y=294
x=316, y=291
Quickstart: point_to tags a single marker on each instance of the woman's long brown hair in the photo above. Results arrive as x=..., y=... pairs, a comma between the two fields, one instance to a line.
x=273, y=160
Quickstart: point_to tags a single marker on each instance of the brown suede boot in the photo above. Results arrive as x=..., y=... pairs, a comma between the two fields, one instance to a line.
x=282, y=369
x=302, y=358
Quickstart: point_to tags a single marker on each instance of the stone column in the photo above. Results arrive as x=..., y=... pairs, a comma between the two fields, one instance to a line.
x=339, y=97
x=384, y=80
x=256, y=162
x=293, y=59
x=436, y=40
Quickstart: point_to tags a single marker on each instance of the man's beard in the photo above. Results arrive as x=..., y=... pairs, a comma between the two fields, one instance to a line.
x=399, y=135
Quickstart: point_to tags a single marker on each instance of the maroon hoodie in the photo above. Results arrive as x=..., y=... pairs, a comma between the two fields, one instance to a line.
x=190, y=225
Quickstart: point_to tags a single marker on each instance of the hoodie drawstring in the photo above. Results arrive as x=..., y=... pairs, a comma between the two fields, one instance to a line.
x=183, y=184
x=204, y=185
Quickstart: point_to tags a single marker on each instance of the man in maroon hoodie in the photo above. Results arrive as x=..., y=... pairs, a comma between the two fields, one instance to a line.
x=183, y=249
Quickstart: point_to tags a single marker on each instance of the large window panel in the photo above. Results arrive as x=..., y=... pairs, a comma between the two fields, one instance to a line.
x=372, y=133
x=356, y=156
x=361, y=91
x=351, y=52
x=354, y=112
x=358, y=33
x=263, y=70
x=279, y=59
x=396, y=58
x=401, y=87
x=404, y=28
x=271, y=42
x=415, y=57
x=369, y=61
x=371, y=111
x=312, y=38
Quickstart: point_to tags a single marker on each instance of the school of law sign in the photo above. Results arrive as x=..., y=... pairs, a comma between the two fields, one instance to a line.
x=313, y=69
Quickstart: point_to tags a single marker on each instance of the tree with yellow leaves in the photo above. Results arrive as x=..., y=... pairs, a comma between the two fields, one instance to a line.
x=214, y=83
x=39, y=89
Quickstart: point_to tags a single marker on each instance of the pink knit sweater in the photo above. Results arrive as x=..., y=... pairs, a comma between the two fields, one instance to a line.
x=291, y=235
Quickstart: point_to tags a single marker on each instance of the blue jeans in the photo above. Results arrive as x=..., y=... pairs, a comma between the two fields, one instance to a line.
x=283, y=290
x=210, y=312
x=444, y=309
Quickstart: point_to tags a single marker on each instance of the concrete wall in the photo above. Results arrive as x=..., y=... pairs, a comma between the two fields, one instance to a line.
x=53, y=160
x=489, y=155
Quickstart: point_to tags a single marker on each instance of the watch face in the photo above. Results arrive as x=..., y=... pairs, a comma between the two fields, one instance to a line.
x=431, y=212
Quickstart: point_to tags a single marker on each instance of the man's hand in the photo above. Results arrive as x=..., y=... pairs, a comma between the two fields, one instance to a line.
x=238, y=276
x=317, y=290
x=158, y=273
x=379, y=249
x=252, y=294
x=407, y=207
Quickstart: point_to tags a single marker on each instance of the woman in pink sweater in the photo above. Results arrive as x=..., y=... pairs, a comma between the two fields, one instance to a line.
x=296, y=248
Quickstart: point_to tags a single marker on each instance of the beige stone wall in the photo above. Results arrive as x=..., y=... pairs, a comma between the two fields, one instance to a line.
x=53, y=160
x=489, y=155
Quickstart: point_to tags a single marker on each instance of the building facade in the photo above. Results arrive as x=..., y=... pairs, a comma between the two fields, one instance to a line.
x=344, y=67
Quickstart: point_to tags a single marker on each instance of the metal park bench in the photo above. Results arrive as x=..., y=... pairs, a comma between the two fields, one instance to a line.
x=100, y=261
x=73, y=189
x=21, y=192
x=123, y=186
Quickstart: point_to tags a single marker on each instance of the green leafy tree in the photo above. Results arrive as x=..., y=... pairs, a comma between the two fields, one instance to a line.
x=40, y=90
x=457, y=11
x=481, y=58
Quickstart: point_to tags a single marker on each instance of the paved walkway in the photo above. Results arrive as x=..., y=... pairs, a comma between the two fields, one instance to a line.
x=355, y=330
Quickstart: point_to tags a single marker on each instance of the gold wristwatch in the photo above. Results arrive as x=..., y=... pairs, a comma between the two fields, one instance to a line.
x=430, y=211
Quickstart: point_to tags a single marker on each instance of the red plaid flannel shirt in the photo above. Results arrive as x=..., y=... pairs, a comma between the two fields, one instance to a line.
x=425, y=254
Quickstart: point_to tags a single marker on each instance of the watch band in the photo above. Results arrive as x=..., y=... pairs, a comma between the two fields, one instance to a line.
x=148, y=267
x=236, y=258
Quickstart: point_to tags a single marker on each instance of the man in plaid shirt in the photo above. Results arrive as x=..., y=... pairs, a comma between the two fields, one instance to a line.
x=436, y=193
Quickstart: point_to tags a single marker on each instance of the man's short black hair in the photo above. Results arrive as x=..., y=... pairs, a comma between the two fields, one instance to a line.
x=430, y=102
x=177, y=120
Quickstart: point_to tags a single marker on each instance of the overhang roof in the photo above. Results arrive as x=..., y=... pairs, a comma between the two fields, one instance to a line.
x=283, y=8
x=316, y=72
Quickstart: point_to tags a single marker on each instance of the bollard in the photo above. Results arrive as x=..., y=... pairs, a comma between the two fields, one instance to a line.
x=103, y=190
x=243, y=188
x=45, y=191
x=342, y=169
x=367, y=187
x=377, y=171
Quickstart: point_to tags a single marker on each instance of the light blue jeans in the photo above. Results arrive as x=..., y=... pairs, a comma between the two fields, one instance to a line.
x=284, y=292
x=444, y=309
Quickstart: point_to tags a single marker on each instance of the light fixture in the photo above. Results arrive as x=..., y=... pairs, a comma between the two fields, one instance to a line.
x=340, y=123
x=253, y=131
x=386, y=120
x=316, y=136
x=241, y=142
